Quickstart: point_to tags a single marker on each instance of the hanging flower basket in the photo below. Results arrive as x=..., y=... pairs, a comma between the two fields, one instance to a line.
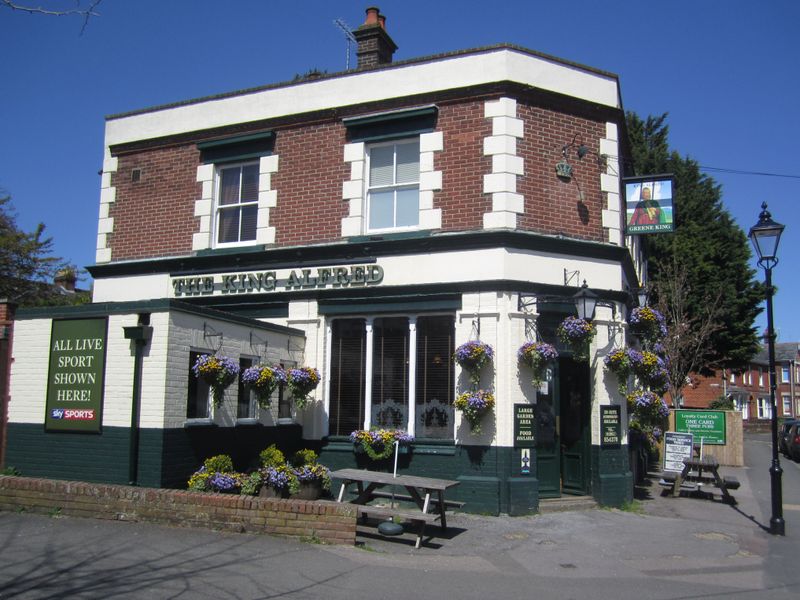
x=647, y=408
x=650, y=369
x=577, y=334
x=263, y=381
x=619, y=363
x=472, y=356
x=302, y=382
x=537, y=355
x=475, y=405
x=218, y=372
x=378, y=444
x=647, y=324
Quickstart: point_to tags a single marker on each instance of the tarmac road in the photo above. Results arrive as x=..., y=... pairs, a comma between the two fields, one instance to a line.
x=676, y=548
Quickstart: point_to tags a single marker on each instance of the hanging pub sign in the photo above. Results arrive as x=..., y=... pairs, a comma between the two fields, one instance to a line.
x=76, y=375
x=648, y=204
x=610, y=428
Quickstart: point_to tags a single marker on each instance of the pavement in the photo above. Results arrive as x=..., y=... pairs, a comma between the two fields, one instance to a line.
x=660, y=548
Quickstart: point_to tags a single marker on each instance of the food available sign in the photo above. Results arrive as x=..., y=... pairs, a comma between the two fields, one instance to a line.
x=76, y=374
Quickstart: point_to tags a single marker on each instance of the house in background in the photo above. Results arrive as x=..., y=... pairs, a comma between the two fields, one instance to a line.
x=366, y=223
x=749, y=389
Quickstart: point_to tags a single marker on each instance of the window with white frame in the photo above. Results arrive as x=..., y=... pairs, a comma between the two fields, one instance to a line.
x=787, y=405
x=760, y=377
x=377, y=392
x=236, y=214
x=199, y=397
x=733, y=377
x=764, y=411
x=743, y=406
x=785, y=375
x=246, y=400
x=393, y=185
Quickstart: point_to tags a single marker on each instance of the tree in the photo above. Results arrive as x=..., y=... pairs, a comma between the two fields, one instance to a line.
x=705, y=261
x=86, y=11
x=27, y=267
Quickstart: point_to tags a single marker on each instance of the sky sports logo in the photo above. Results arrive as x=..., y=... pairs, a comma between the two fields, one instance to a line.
x=71, y=414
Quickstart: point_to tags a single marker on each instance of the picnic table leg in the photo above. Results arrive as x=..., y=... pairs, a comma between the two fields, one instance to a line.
x=341, y=491
x=723, y=488
x=676, y=488
x=440, y=495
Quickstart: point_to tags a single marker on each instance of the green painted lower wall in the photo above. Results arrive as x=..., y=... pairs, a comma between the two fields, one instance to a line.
x=167, y=457
x=490, y=477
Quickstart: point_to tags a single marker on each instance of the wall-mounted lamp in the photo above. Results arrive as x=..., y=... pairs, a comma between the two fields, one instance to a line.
x=642, y=296
x=564, y=169
x=585, y=302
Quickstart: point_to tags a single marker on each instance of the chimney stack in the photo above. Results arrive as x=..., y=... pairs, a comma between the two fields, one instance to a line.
x=375, y=47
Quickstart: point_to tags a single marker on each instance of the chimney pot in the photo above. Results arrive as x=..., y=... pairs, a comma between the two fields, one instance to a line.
x=372, y=15
x=375, y=47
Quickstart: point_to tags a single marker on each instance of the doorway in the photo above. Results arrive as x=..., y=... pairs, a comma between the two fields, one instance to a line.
x=563, y=450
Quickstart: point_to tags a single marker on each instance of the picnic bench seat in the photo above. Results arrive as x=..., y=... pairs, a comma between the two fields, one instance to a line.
x=692, y=482
x=408, y=498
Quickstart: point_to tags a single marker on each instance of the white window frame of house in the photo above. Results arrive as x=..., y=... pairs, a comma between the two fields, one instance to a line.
x=209, y=417
x=764, y=408
x=219, y=207
x=408, y=185
x=733, y=377
x=743, y=406
x=785, y=378
x=786, y=399
x=760, y=377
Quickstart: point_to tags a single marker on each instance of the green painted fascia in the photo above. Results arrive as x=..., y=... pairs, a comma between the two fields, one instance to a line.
x=102, y=309
x=370, y=248
x=236, y=140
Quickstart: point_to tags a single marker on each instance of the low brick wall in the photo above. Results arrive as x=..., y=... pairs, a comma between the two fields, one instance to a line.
x=328, y=522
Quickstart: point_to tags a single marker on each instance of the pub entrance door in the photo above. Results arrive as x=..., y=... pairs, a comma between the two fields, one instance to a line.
x=563, y=450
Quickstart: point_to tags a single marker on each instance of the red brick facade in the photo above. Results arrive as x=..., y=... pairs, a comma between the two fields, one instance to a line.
x=312, y=170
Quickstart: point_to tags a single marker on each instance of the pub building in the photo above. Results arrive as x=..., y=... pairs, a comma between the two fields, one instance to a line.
x=366, y=223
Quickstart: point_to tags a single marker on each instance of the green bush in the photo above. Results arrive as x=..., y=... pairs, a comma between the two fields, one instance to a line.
x=271, y=457
x=721, y=403
x=304, y=457
x=221, y=463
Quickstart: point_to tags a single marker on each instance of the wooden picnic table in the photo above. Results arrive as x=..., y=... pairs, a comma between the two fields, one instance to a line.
x=698, y=472
x=426, y=492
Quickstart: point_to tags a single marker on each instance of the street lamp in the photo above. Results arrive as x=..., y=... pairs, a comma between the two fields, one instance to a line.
x=765, y=236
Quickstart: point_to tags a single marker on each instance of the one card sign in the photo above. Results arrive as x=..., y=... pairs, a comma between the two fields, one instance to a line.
x=648, y=205
x=706, y=424
x=677, y=447
x=75, y=377
x=524, y=426
x=610, y=428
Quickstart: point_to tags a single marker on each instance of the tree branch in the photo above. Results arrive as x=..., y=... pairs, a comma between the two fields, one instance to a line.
x=87, y=13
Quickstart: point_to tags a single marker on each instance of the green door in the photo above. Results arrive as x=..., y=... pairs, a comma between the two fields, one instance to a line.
x=563, y=442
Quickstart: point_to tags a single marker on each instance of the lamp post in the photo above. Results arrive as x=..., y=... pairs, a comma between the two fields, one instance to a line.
x=765, y=236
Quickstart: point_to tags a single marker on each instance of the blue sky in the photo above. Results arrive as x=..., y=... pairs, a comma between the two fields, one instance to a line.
x=726, y=71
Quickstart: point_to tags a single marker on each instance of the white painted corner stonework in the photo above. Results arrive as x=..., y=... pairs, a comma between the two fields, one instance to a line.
x=204, y=206
x=108, y=195
x=613, y=213
x=430, y=181
x=501, y=183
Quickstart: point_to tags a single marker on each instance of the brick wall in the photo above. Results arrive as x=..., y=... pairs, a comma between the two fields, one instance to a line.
x=552, y=206
x=155, y=216
x=326, y=521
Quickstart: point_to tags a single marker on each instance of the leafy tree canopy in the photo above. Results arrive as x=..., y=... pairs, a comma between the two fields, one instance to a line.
x=708, y=247
x=27, y=267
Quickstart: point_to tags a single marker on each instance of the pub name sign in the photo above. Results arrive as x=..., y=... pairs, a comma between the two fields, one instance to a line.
x=278, y=280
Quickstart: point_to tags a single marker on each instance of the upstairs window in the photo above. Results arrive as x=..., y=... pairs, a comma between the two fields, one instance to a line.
x=237, y=204
x=393, y=186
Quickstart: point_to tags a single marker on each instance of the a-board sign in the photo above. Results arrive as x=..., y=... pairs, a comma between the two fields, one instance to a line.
x=706, y=424
x=75, y=376
x=677, y=447
x=610, y=429
x=524, y=426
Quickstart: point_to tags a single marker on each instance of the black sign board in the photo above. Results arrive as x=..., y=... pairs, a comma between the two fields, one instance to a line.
x=524, y=426
x=610, y=430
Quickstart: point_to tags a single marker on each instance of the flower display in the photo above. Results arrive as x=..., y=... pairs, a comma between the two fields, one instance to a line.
x=577, y=334
x=378, y=444
x=536, y=355
x=619, y=363
x=650, y=368
x=475, y=404
x=216, y=475
x=281, y=478
x=302, y=381
x=648, y=324
x=218, y=372
x=472, y=356
x=263, y=381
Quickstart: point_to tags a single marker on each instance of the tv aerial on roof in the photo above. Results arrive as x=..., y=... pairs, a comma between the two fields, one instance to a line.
x=348, y=34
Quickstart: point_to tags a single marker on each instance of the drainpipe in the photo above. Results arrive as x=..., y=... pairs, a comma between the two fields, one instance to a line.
x=140, y=334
